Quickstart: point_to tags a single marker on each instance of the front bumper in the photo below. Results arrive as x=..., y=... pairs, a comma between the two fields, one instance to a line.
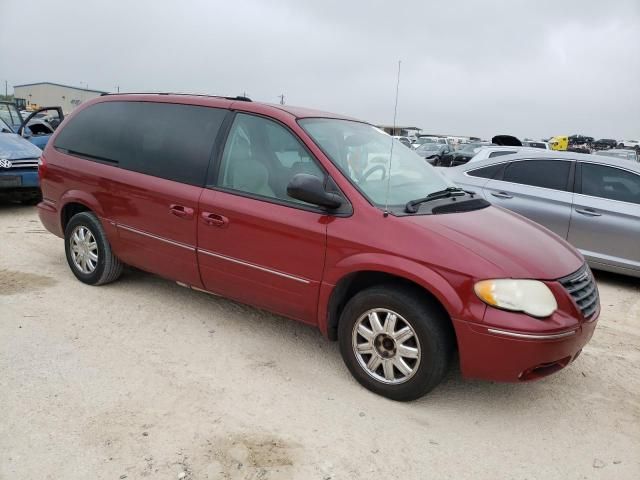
x=27, y=179
x=20, y=185
x=506, y=356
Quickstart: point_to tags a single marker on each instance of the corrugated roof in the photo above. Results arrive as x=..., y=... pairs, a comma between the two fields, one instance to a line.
x=60, y=85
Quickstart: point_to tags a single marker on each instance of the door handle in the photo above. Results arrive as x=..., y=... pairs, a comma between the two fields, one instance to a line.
x=181, y=211
x=501, y=195
x=589, y=212
x=214, y=219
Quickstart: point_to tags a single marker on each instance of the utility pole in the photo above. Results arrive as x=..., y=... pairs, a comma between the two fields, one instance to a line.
x=5, y=89
x=118, y=87
x=281, y=99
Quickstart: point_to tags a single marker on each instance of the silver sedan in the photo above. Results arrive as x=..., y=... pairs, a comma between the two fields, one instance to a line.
x=591, y=201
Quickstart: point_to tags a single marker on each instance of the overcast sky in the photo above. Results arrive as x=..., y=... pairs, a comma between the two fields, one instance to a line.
x=528, y=68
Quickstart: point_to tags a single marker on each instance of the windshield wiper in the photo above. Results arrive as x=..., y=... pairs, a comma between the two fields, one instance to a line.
x=413, y=205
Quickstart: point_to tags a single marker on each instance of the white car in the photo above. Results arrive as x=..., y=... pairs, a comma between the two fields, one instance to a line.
x=422, y=140
x=496, y=151
x=536, y=144
x=403, y=140
x=635, y=144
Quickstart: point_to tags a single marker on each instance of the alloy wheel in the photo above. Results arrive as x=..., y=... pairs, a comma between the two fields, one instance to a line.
x=84, y=249
x=386, y=346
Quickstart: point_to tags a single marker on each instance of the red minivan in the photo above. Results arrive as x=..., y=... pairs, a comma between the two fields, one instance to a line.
x=323, y=219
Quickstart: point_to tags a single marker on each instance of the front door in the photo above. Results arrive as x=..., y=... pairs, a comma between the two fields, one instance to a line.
x=255, y=243
x=605, y=222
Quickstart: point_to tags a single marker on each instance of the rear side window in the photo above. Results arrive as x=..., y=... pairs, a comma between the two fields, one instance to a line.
x=553, y=174
x=487, y=172
x=609, y=182
x=161, y=139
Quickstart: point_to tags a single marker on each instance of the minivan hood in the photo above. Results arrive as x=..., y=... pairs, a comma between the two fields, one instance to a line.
x=14, y=147
x=516, y=245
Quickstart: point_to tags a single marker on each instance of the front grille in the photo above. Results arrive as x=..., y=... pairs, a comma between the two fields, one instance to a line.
x=583, y=289
x=24, y=163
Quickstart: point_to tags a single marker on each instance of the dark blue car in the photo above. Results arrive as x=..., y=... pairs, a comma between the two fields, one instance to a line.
x=37, y=127
x=18, y=166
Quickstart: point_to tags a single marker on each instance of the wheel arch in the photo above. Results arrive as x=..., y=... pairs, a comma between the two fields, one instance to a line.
x=419, y=278
x=74, y=202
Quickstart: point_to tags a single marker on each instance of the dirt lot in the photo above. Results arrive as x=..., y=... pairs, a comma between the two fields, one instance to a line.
x=143, y=378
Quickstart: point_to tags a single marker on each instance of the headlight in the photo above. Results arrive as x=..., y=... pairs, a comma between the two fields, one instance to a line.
x=529, y=296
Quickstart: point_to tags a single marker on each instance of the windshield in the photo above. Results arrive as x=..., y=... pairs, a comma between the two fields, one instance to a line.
x=9, y=113
x=362, y=153
x=423, y=140
x=4, y=126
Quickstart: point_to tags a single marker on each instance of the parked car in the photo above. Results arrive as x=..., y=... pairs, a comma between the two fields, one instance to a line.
x=461, y=156
x=580, y=144
x=420, y=140
x=36, y=127
x=433, y=152
x=403, y=140
x=495, y=151
x=592, y=201
x=619, y=153
x=605, y=144
x=291, y=210
x=534, y=144
x=18, y=166
x=559, y=143
x=634, y=144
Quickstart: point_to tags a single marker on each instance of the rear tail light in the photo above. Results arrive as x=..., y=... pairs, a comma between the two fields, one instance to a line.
x=42, y=167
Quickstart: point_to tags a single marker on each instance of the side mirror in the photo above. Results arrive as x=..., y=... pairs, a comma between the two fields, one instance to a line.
x=310, y=189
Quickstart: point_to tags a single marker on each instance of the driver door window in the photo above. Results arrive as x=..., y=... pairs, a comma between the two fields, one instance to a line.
x=261, y=157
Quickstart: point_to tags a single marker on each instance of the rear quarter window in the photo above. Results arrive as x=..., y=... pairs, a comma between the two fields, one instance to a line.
x=165, y=140
x=487, y=172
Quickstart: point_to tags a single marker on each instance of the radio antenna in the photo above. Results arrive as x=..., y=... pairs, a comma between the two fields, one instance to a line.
x=395, y=112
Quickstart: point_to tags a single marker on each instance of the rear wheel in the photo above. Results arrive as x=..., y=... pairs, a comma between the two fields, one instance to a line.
x=88, y=251
x=395, y=342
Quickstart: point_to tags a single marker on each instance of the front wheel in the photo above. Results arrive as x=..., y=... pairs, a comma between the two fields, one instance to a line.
x=88, y=251
x=395, y=341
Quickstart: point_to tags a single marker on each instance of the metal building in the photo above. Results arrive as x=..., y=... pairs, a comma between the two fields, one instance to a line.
x=48, y=94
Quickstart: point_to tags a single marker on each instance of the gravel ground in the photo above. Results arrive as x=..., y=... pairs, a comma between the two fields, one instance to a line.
x=144, y=378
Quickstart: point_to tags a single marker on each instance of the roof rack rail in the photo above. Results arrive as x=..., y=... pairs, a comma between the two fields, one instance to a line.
x=239, y=98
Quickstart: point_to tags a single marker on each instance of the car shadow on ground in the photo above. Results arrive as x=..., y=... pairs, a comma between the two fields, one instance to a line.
x=10, y=205
x=616, y=280
x=454, y=389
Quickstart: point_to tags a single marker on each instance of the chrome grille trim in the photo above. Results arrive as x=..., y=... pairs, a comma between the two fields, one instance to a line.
x=22, y=163
x=583, y=290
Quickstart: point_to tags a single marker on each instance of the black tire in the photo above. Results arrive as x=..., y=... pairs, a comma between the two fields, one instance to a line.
x=108, y=267
x=432, y=328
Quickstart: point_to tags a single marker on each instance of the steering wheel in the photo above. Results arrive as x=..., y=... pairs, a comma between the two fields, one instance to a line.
x=373, y=169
